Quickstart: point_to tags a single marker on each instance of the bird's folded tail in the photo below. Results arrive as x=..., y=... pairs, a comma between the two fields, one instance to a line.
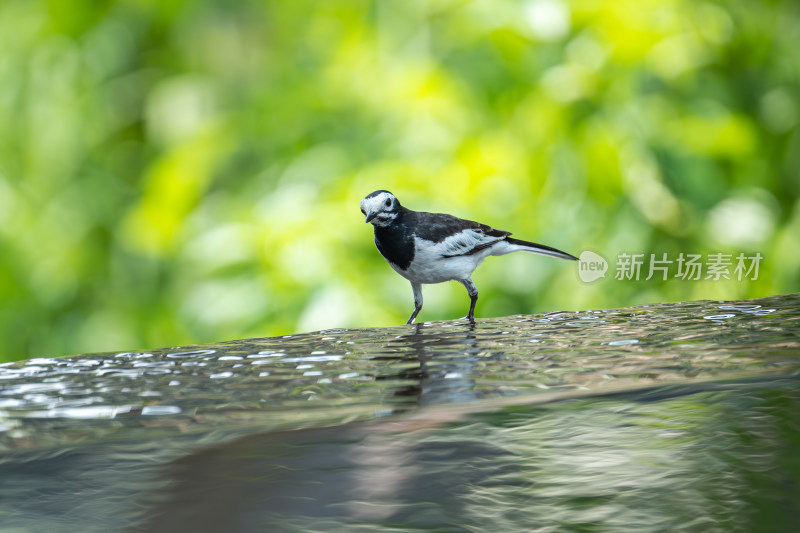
x=532, y=247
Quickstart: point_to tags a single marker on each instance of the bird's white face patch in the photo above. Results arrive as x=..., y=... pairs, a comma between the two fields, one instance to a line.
x=382, y=205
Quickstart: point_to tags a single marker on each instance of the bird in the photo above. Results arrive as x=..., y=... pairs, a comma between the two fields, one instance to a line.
x=428, y=248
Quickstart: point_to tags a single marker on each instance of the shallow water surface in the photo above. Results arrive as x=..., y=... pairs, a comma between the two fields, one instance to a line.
x=671, y=417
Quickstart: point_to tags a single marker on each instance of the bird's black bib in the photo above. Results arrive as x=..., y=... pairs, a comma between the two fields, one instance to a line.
x=396, y=244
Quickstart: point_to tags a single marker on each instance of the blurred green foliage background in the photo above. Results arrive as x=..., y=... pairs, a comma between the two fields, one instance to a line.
x=178, y=172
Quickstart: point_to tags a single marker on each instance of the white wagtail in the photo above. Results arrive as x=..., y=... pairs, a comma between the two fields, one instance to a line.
x=434, y=247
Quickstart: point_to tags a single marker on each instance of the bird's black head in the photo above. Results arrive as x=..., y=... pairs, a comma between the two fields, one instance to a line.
x=380, y=207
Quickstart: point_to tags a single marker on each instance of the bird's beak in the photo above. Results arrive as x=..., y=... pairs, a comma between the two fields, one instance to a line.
x=371, y=215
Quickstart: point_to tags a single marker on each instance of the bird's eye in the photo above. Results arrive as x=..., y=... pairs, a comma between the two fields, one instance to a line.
x=388, y=202
x=362, y=211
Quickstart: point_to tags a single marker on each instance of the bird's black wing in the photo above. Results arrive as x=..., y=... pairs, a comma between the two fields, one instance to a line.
x=455, y=236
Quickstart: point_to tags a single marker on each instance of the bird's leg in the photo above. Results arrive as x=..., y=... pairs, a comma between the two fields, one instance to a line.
x=473, y=296
x=417, y=288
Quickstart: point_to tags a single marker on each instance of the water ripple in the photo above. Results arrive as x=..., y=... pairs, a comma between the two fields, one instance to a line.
x=400, y=368
x=673, y=417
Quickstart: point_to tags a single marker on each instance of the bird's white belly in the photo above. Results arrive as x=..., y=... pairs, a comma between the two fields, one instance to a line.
x=429, y=266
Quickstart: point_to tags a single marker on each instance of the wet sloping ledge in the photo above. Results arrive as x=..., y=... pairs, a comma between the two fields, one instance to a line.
x=669, y=417
x=335, y=376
